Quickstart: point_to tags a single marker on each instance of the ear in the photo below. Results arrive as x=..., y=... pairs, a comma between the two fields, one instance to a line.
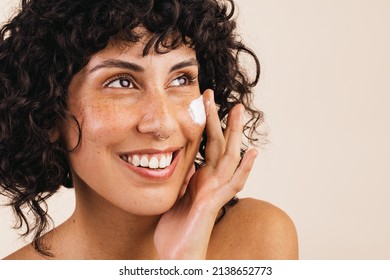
x=54, y=134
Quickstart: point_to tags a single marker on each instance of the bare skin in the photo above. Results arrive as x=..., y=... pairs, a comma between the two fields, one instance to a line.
x=127, y=212
x=252, y=229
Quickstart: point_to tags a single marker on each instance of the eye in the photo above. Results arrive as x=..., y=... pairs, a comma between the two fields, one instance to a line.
x=120, y=82
x=183, y=80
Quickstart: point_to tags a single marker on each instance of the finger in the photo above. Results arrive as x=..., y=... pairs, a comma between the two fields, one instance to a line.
x=226, y=133
x=239, y=178
x=215, y=145
x=231, y=157
x=224, y=193
x=227, y=129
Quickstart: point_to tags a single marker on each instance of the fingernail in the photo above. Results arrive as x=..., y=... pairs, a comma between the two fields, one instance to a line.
x=243, y=115
x=212, y=93
x=208, y=102
x=207, y=107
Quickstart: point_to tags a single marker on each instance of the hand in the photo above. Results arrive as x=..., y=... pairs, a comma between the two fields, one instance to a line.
x=184, y=231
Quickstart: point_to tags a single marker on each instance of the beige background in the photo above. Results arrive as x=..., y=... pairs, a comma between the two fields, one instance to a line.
x=325, y=89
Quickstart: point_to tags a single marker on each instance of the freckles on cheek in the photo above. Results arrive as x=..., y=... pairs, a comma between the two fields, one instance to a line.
x=100, y=122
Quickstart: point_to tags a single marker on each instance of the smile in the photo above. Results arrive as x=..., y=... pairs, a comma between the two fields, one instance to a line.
x=152, y=164
x=152, y=161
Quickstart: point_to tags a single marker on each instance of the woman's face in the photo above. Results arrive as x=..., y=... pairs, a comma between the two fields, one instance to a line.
x=123, y=102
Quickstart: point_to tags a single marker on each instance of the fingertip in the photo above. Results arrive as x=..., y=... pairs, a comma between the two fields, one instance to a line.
x=207, y=106
x=237, y=114
x=251, y=155
x=242, y=113
x=208, y=94
x=255, y=151
x=241, y=107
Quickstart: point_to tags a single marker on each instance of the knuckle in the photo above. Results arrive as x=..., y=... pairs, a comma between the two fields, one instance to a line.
x=236, y=187
x=233, y=156
x=246, y=168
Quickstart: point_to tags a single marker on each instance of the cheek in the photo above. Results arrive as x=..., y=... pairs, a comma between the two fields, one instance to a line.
x=99, y=124
x=192, y=118
x=99, y=120
x=197, y=111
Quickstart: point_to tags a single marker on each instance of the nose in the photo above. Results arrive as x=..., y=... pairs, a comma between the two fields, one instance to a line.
x=157, y=117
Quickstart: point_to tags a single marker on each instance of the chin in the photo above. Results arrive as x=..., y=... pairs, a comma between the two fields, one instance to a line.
x=151, y=206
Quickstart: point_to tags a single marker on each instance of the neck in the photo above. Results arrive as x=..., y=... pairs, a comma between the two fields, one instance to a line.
x=99, y=230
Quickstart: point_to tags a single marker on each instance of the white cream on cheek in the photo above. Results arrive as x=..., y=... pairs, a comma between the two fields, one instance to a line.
x=197, y=111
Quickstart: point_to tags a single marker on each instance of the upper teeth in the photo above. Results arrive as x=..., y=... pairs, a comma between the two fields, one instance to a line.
x=151, y=161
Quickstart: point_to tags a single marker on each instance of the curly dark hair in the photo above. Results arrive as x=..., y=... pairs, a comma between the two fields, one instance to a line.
x=48, y=41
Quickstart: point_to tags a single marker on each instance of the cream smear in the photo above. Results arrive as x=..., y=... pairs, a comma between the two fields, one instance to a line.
x=197, y=111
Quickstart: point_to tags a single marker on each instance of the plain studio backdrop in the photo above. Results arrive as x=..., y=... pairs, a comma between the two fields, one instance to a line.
x=325, y=91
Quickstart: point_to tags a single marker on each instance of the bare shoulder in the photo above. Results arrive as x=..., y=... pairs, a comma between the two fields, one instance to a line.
x=254, y=229
x=25, y=253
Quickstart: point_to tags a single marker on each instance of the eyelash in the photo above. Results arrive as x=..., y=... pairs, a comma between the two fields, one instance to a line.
x=190, y=77
x=120, y=77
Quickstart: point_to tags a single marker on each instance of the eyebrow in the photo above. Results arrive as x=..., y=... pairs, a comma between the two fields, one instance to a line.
x=186, y=63
x=117, y=63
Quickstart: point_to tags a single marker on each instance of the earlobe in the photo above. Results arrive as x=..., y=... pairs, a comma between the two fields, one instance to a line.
x=54, y=134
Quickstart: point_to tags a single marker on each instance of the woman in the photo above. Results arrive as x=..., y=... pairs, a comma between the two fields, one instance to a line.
x=139, y=106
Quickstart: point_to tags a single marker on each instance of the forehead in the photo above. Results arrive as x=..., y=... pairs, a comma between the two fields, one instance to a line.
x=134, y=52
